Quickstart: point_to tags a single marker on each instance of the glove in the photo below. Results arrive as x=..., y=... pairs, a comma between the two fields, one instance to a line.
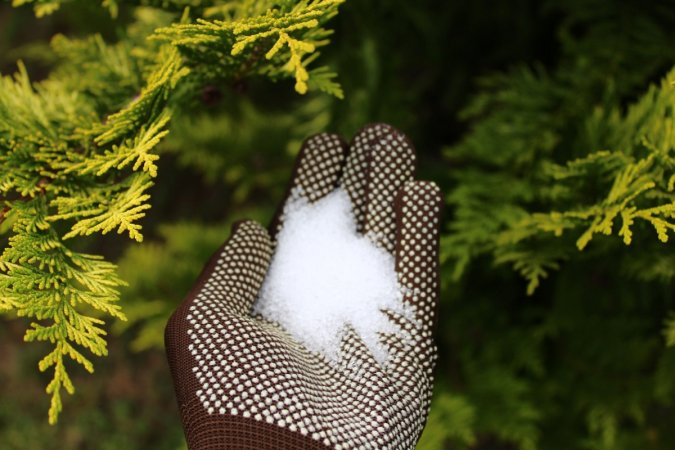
x=242, y=382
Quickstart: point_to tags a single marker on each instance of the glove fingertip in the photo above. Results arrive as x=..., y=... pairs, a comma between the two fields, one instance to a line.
x=318, y=168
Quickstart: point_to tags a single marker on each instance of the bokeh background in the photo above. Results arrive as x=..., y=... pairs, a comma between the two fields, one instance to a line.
x=480, y=87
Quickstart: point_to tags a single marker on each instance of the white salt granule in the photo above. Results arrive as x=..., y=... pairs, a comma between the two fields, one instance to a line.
x=324, y=275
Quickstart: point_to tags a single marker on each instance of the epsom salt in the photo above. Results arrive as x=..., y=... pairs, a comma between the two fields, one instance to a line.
x=325, y=276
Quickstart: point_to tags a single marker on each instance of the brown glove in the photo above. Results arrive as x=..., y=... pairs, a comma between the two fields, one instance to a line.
x=243, y=383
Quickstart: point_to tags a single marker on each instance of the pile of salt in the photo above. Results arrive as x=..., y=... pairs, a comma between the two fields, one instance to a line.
x=324, y=276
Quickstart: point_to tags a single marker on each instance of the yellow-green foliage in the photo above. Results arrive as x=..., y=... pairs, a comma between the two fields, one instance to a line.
x=280, y=40
x=42, y=279
x=78, y=150
x=614, y=190
x=565, y=176
x=42, y=7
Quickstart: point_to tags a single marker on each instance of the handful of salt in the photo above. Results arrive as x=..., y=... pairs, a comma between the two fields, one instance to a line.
x=324, y=276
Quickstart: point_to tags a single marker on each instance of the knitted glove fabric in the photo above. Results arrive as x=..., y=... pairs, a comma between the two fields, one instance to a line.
x=243, y=383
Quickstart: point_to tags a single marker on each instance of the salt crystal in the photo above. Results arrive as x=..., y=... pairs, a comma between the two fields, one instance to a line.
x=324, y=275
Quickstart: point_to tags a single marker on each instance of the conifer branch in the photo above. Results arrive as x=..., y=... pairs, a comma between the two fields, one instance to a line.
x=633, y=180
x=41, y=278
x=106, y=207
x=137, y=150
x=78, y=151
x=288, y=35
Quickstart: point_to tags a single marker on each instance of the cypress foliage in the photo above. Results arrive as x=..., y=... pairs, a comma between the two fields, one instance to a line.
x=77, y=150
x=565, y=179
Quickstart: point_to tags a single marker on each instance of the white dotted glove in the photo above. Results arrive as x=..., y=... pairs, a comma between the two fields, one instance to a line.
x=243, y=383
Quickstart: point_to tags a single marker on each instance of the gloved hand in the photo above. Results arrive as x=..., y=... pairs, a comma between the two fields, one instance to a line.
x=243, y=383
